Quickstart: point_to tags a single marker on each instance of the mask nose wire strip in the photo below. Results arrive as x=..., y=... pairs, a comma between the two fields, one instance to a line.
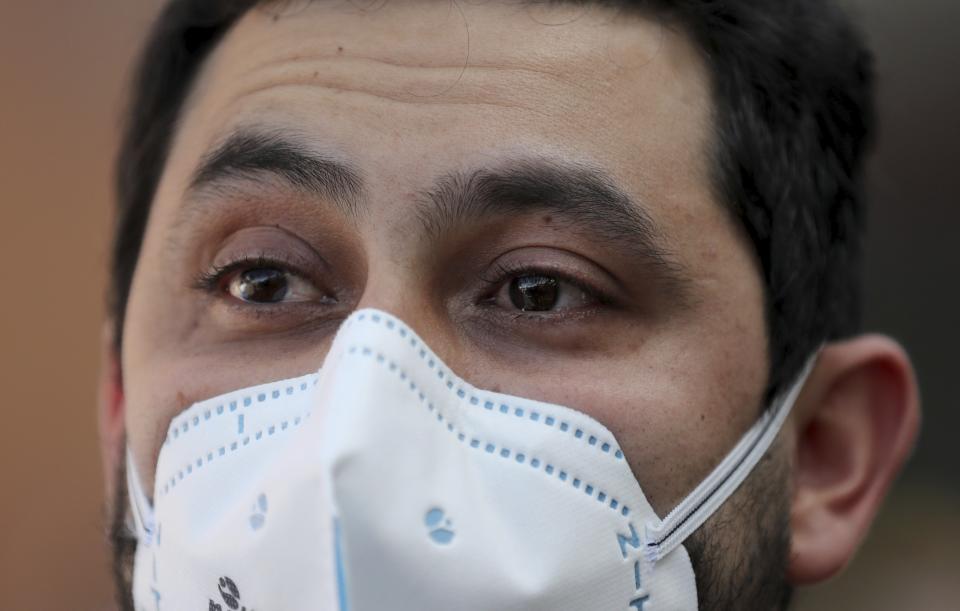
x=713, y=491
x=141, y=508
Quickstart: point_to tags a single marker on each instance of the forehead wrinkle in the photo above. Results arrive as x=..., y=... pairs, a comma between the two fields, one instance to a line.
x=407, y=100
x=494, y=86
x=412, y=67
x=523, y=68
x=515, y=68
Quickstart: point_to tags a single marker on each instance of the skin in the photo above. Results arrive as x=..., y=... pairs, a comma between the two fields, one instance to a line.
x=682, y=356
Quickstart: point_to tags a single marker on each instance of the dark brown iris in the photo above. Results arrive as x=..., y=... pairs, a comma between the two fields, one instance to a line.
x=534, y=293
x=263, y=285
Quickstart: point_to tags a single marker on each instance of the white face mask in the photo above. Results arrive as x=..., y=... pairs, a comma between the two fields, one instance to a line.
x=387, y=482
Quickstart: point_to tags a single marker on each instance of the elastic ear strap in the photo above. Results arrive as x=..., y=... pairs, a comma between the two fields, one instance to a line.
x=139, y=505
x=713, y=491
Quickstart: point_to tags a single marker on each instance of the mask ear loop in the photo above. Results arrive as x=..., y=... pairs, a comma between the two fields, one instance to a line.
x=141, y=508
x=699, y=505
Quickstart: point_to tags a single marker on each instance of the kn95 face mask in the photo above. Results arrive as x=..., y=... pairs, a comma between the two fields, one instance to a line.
x=385, y=481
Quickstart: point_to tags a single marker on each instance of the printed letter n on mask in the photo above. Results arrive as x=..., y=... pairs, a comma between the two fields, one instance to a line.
x=384, y=481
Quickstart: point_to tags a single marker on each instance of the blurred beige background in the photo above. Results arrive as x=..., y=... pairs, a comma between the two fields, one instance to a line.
x=63, y=68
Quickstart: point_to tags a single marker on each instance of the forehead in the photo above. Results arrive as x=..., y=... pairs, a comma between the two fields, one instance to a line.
x=411, y=88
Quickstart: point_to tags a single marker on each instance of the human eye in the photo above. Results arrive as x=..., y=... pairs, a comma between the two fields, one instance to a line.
x=545, y=287
x=266, y=280
x=541, y=292
x=538, y=300
x=261, y=281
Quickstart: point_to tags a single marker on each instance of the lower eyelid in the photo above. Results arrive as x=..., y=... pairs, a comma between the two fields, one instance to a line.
x=549, y=319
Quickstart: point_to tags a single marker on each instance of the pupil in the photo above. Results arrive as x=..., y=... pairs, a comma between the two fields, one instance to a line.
x=263, y=285
x=534, y=293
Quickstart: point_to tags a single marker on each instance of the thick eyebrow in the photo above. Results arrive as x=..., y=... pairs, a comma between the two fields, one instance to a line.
x=585, y=198
x=254, y=155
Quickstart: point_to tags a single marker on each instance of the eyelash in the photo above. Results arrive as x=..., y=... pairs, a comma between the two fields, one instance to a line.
x=211, y=280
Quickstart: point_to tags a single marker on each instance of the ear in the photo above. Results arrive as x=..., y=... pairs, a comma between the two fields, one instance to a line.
x=111, y=410
x=855, y=424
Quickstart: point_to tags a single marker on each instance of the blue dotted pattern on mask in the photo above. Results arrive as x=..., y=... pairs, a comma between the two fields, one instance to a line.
x=187, y=423
x=491, y=448
x=518, y=411
x=182, y=425
x=231, y=448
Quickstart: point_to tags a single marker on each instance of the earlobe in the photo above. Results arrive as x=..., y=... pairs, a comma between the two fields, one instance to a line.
x=855, y=425
x=110, y=409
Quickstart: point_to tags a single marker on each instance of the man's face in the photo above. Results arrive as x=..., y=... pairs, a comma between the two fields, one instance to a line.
x=528, y=188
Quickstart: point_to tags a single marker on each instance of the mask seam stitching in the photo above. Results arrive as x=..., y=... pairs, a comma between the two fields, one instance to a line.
x=180, y=426
x=232, y=448
x=519, y=409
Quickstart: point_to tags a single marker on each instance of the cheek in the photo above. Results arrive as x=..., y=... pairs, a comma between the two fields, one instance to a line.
x=675, y=420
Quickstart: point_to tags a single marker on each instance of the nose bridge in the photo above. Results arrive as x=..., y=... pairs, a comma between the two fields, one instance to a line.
x=402, y=292
x=402, y=264
x=396, y=280
x=399, y=283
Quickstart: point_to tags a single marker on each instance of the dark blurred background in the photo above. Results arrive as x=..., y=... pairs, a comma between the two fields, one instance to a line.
x=63, y=69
